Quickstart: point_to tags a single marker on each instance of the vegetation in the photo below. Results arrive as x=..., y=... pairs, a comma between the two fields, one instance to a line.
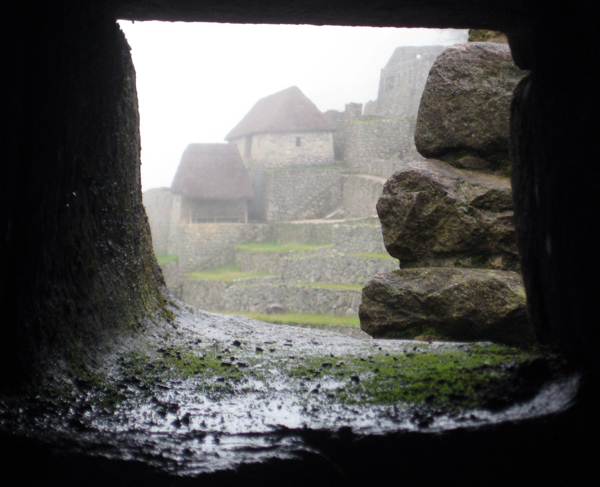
x=470, y=376
x=378, y=256
x=227, y=273
x=452, y=380
x=273, y=246
x=164, y=259
x=304, y=319
x=296, y=169
x=332, y=285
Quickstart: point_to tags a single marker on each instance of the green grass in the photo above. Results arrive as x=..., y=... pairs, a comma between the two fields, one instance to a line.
x=321, y=285
x=227, y=273
x=378, y=256
x=273, y=246
x=303, y=319
x=164, y=259
x=296, y=169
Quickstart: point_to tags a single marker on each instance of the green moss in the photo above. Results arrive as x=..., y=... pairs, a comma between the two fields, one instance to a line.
x=450, y=380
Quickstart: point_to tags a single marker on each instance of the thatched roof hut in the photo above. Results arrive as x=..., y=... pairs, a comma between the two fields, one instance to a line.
x=212, y=172
x=288, y=110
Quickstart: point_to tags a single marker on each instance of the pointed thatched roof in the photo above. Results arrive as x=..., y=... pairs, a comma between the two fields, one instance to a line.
x=285, y=111
x=212, y=172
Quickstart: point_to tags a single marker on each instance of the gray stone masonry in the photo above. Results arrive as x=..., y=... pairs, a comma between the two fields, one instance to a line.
x=402, y=81
x=302, y=282
x=371, y=144
x=365, y=237
x=287, y=149
x=327, y=265
x=264, y=262
x=380, y=167
x=374, y=138
x=361, y=193
x=302, y=193
x=173, y=243
x=256, y=295
x=309, y=232
x=322, y=265
x=210, y=245
x=157, y=202
x=206, y=294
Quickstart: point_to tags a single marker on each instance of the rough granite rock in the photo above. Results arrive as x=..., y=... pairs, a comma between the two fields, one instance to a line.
x=464, y=112
x=433, y=214
x=455, y=304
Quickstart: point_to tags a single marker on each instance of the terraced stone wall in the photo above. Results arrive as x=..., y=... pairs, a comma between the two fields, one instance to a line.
x=210, y=245
x=359, y=238
x=256, y=295
x=302, y=193
x=360, y=194
x=306, y=232
x=264, y=262
x=369, y=144
x=327, y=265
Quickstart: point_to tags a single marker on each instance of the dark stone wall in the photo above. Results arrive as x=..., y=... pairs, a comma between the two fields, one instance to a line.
x=483, y=14
x=554, y=135
x=74, y=243
x=77, y=259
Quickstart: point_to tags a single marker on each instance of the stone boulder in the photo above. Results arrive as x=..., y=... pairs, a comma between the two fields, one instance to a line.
x=464, y=112
x=433, y=214
x=454, y=304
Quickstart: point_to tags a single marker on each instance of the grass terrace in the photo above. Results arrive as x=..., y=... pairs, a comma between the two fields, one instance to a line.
x=329, y=285
x=227, y=273
x=164, y=259
x=274, y=246
x=299, y=169
x=302, y=319
x=379, y=256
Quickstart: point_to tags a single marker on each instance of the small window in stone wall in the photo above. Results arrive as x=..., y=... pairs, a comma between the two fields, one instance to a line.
x=298, y=141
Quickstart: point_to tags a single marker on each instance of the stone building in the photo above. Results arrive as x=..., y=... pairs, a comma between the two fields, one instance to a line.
x=287, y=145
x=402, y=82
x=284, y=130
x=212, y=184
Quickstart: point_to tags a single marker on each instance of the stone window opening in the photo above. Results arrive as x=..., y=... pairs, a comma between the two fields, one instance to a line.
x=445, y=455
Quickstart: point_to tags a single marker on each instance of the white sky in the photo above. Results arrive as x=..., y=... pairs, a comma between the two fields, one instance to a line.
x=196, y=81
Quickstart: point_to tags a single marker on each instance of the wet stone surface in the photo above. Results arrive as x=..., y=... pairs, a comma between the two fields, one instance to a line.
x=212, y=392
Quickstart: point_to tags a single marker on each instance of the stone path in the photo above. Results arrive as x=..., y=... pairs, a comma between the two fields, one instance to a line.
x=210, y=393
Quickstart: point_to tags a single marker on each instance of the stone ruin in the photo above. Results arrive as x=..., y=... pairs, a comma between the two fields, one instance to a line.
x=447, y=220
x=450, y=224
x=316, y=180
x=78, y=271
